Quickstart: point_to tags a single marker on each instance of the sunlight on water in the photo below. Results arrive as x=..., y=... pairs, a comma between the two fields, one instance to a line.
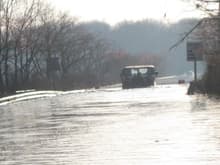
x=159, y=125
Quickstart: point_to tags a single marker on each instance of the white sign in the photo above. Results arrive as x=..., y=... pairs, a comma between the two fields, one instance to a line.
x=194, y=51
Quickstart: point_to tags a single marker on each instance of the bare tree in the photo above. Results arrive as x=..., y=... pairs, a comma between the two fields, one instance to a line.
x=6, y=23
x=31, y=32
x=24, y=44
x=209, y=33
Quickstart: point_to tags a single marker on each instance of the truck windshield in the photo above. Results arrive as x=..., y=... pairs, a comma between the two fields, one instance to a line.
x=143, y=70
x=136, y=71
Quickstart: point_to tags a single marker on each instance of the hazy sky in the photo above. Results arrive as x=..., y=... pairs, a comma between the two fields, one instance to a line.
x=114, y=11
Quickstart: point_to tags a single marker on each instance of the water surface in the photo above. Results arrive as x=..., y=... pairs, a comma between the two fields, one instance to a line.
x=159, y=126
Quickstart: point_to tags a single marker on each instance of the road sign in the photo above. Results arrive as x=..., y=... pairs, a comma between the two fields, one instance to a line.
x=194, y=51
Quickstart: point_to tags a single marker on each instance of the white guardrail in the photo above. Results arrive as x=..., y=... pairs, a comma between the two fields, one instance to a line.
x=28, y=95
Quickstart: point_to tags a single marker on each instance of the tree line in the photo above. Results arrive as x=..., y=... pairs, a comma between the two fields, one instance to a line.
x=151, y=37
x=42, y=48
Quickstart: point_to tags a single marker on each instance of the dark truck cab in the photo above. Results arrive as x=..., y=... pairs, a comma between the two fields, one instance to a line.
x=138, y=76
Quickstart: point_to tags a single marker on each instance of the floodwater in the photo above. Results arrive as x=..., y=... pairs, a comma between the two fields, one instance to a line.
x=160, y=125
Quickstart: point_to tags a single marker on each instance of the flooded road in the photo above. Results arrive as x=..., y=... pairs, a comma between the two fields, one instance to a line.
x=154, y=126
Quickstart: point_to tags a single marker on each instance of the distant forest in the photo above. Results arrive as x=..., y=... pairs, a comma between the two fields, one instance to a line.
x=41, y=48
x=150, y=38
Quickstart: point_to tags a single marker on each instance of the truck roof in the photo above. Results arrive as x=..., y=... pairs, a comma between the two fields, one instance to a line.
x=139, y=66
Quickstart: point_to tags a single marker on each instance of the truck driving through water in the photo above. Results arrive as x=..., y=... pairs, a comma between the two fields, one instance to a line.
x=138, y=76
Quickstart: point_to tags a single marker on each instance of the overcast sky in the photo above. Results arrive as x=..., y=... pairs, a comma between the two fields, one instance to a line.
x=114, y=11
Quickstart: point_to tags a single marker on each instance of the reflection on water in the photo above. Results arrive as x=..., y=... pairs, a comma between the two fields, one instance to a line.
x=159, y=125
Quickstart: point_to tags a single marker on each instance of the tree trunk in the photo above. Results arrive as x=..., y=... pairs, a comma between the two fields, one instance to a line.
x=6, y=70
x=2, y=87
x=15, y=69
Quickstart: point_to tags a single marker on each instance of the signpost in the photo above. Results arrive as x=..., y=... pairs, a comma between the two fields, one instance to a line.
x=194, y=53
